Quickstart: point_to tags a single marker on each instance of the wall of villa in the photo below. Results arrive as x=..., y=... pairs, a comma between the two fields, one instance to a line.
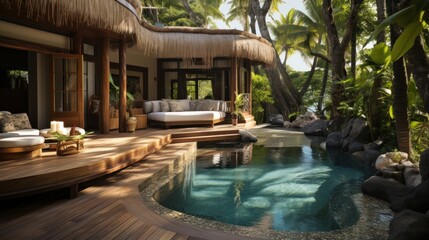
x=136, y=59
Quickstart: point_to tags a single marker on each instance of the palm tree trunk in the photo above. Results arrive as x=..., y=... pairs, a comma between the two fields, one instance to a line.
x=374, y=107
x=337, y=51
x=284, y=92
x=400, y=96
x=304, y=88
x=419, y=63
x=323, y=90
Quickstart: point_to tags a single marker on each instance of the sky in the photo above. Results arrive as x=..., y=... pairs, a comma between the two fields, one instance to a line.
x=295, y=61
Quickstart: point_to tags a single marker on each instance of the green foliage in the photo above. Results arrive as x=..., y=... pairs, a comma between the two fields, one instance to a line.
x=261, y=94
x=411, y=19
x=114, y=94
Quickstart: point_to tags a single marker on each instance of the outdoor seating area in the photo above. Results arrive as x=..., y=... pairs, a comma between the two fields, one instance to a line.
x=185, y=112
x=17, y=138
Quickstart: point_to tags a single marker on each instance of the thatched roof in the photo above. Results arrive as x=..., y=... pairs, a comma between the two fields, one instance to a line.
x=123, y=17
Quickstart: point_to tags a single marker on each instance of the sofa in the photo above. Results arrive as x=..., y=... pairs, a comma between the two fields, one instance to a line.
x=185, y=112
x=17, y=138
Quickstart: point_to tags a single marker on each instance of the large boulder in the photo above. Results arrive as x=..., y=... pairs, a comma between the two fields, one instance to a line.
x=371, y=156
x=387, y=189
x=424, y=165
x=355, y=146
x=412, y=176
x=409, y=225
x=276, y=120
x=334, y=140
x=246, y=136
x=375, y=145
x=303, y=120
x=356, y=129
x=316, y=128
x=416, y=200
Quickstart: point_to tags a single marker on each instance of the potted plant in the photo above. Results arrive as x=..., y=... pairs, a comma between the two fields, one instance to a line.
x=238, y=106
x=131, y=120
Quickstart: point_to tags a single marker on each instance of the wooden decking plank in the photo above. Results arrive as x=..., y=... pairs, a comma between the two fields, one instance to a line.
x=179, y=236
x=87, y=223
x=168, y=235
x=157, y=234
x=132, y=229
x=117, y=223
x=147, y=233
x=72, y=220
x=140, y=231
x=120, y=230
x=99, y=223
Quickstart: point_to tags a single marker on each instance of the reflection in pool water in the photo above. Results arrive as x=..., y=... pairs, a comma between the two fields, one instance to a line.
x=294, y=189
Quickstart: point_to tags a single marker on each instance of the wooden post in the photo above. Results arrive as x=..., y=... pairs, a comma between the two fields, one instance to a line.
x=77, y=49
x=234, y=81
x=105, y=87
x=122, y=86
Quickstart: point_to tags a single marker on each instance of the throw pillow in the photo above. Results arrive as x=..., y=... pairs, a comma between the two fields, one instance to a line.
x=165, y=107
x=205, y=106
x=6, y=124
x=193, y=105
x=21, y=121
x=156, y=106
x=175, y=106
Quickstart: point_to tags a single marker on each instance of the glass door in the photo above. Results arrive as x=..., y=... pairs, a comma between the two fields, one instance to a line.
x=67, y=89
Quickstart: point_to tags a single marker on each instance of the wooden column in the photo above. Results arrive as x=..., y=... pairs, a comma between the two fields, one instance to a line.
x=122, y=86
x=234, y=81
x=104, y=87
x=77, y=49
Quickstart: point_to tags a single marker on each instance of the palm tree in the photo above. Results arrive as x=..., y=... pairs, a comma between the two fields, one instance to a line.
x=337, y=49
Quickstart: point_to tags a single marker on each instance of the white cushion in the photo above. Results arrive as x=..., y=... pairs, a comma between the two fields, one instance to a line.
x=148, y=107
x=185, y=104
x=21, y=141
x=156, y=106
x=186, y=116
x=31, y=132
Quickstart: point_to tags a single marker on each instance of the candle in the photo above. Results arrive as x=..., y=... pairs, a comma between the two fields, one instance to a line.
x=53, y=126
x=60, y=127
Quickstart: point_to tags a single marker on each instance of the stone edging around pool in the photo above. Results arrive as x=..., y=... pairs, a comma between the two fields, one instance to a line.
x=373, y=222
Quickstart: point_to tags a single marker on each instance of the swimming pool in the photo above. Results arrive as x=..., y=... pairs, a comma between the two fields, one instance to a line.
x=288, y=189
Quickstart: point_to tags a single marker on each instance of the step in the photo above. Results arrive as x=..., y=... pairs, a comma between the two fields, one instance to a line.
x=203, y=133
x=208, y=138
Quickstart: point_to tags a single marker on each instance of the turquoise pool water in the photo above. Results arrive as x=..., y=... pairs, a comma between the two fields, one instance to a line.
x=294, y=189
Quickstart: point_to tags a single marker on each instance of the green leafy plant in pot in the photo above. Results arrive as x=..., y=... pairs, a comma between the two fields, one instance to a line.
x=238, y=106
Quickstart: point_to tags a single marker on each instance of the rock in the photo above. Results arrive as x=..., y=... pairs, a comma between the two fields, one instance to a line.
x=387, y=189
x=409, y=225
x=359, y=155
x=382, y=161
x=334, y=140
x=417, y=199
x=323, y=145
x=276, y=120
x=371, y=156
x=408, y=164
x=397, y=157
x=360, y=130
x=355, y=146
x=412, y=176
x=424, y=164
x=303, y=120
x=376, y=145
x=400, y=167
x=316, y=128
x=287, y=124
x=246, y=136
x=311, y=116
x=391, y=171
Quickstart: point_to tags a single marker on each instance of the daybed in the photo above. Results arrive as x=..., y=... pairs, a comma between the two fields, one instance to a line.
x=17, y=138
x=185, y=112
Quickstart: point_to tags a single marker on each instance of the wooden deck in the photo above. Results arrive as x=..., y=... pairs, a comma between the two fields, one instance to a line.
x=108, y=207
